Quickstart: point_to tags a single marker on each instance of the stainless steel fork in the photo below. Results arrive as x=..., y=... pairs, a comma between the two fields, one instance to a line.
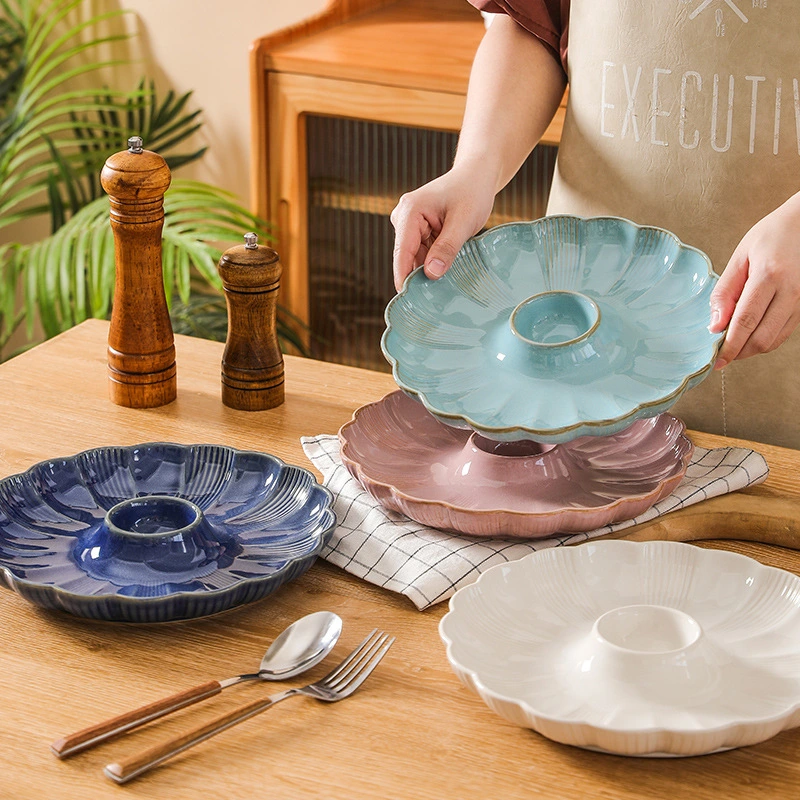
x=341, y=682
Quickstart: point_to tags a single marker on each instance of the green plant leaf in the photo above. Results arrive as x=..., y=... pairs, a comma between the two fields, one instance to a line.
x=97, y=265
x=54, y=140
x=78, y=277
x=63, y=255
x=8, y=274
x=172, y=123
x=30, y=292
x=73, y=188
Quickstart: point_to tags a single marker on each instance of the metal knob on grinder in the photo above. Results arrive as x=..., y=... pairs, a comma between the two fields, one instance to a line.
x=252, y=364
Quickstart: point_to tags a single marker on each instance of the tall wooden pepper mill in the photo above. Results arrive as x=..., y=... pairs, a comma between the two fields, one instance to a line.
x=141, y=348
x=252, y=365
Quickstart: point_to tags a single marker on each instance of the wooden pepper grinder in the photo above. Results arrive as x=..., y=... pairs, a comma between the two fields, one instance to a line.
x=252, y=365
x=141, y=348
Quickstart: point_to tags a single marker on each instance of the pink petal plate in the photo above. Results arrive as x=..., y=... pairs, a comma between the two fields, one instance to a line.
x=457, y=480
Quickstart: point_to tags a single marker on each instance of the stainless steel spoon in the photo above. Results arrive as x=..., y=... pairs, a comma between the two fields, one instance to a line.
x=302, y=645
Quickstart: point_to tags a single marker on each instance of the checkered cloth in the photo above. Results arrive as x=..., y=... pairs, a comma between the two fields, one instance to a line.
x=428, y=565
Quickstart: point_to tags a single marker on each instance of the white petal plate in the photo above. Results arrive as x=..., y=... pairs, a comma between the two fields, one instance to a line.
x=641, y=649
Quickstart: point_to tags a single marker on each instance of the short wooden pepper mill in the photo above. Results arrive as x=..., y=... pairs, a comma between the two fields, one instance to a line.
x=252, y=365
x=141, y=348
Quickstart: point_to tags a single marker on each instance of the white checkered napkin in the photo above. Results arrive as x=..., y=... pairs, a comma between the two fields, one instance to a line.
x=428, y=565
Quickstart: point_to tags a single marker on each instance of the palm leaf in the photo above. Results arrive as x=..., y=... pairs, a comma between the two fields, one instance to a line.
x=12, y=36
x=162, y=126
x=44, y=52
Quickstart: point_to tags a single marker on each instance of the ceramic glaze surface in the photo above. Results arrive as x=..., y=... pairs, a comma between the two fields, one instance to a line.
x=657, y=648
x=557, y=328
x=458, y=480
x=159, y=531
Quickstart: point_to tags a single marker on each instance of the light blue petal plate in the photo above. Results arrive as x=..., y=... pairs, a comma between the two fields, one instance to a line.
x=159, y=532
x=557, y=328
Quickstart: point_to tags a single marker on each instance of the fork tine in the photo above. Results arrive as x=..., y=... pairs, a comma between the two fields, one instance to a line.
x=345, y=675
x=336, y=671
x=367, y=669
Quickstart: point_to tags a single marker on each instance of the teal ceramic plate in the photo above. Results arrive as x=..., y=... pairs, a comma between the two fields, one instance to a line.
x=557, y=328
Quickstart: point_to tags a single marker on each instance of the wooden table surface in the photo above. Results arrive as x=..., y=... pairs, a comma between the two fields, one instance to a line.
x=413, y=731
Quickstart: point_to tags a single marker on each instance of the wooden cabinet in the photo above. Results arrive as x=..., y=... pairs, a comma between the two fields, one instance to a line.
x=349, y=110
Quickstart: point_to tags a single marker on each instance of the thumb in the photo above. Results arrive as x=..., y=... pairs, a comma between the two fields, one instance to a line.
x=728, y=290
x=445, y=248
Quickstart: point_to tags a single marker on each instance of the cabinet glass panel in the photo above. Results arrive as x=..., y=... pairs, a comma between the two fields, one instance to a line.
x=357, y=171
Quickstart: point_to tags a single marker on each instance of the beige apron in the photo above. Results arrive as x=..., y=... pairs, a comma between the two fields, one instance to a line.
x=685, y=114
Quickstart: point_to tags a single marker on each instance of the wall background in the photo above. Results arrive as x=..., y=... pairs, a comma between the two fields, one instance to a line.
x=204, y=46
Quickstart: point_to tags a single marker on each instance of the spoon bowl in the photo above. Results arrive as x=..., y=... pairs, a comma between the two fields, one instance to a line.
x=301, y=646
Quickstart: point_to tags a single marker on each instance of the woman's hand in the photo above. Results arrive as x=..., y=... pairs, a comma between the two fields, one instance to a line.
x=433, y=222
x=758, y=295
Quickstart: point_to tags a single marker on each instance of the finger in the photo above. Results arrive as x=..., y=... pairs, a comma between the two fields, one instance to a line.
x=445, y=247
x=747, y=317
x=410, y=249
x=775, y=328
x=728, y=290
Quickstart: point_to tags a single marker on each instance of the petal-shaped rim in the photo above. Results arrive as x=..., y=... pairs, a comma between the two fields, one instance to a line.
x=582, y=427
x=373, y=485
x=13, y=581
x=599, y=732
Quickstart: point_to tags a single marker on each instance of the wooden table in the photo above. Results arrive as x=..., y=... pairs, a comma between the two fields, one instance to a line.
x=412, y=732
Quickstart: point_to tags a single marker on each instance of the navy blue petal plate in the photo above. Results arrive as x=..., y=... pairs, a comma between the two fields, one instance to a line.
x=158, y=532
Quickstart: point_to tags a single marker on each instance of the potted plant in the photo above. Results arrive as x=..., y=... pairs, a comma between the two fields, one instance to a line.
x=54, y=140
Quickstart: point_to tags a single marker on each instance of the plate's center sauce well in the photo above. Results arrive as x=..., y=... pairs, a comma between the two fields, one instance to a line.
x=153, y=516
x=555, y=319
